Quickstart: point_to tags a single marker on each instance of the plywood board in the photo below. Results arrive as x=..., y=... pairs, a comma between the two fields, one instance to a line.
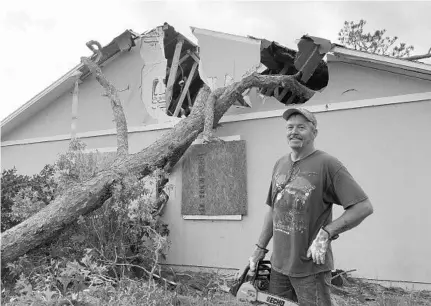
x=215, y=179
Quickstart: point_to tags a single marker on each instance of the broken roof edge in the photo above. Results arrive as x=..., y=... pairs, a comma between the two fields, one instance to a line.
x=336, y=49
x=74, y=72
x=246, y=39
x=166, y=27
x=381, y=59
x=183, y=37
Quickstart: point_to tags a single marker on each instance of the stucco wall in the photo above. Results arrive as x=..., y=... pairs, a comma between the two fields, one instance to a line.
x=31, y=158
x=348, y=82
x=94, y=110
x=384, y=149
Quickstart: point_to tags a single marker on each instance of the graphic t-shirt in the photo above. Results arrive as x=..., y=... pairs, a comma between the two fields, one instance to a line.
x=302, y=194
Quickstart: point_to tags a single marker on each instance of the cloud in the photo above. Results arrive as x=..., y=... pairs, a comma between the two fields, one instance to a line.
x=9, y=72
x=21, y=21
x=45, y=38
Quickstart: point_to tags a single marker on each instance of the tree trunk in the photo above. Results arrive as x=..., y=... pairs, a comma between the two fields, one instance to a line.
x=164, y=153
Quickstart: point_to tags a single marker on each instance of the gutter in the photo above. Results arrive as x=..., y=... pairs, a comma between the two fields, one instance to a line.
x=380, y=59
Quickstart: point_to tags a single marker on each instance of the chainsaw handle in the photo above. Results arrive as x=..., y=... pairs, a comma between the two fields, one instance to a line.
x=260, y=262
x=244, y=277
x=263, y=262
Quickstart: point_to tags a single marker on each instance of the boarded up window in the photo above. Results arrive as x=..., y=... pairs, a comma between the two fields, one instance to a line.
x=215, y=179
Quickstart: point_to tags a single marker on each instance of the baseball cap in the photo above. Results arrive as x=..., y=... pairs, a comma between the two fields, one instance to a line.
x=302, y=111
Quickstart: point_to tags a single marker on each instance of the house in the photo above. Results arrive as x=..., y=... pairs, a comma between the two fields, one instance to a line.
x=373, y=114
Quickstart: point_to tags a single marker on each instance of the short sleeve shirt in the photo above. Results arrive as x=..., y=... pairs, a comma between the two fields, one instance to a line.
x=302, y=194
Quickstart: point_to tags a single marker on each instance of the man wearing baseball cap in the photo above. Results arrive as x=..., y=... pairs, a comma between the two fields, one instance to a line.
x=305, y=184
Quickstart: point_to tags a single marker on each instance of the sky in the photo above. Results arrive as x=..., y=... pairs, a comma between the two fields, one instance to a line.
x=44, y=39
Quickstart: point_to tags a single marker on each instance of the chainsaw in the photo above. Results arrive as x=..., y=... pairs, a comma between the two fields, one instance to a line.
x=254, y=287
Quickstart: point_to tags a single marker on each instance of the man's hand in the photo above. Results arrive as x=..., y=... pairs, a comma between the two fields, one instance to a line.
x=318, y=248
x=257, y=256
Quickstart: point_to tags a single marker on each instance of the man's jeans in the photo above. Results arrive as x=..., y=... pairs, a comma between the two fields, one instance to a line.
x=313, y=290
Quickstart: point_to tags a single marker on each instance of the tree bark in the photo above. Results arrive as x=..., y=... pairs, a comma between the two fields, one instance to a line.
x=112, y=93
x=164, y=153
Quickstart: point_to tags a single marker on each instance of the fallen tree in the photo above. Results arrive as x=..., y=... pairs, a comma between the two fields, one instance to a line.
x=164, y=153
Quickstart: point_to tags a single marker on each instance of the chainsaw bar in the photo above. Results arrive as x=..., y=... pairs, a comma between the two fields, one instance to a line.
x=249, y=293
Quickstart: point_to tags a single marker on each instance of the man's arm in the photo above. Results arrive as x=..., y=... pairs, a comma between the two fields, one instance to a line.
x=266, y=234
x=352, y=217
x=344, y=190
x=264, y=238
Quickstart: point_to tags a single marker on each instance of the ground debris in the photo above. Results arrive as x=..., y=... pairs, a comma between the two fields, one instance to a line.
x=359, y=292
x=212, y=288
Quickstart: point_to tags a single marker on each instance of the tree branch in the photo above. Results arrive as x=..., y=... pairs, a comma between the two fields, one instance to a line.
x=151, y=274
x=209, y=113
x=112, y=93
x=231, y=92
x=164, y=153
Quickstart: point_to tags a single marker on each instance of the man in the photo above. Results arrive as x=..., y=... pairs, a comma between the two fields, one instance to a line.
x=304, y=186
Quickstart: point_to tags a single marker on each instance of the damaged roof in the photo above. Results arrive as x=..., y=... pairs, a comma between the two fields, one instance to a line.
x=273, y=55
x=308, y=59
x=123, y=42
x=276, y=57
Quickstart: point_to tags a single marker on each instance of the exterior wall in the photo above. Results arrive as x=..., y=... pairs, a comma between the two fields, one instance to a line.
x=386, y=150
x=376, y=145
x=382, y=147
x=31, y=158
x=348, y=82
x=94, y=110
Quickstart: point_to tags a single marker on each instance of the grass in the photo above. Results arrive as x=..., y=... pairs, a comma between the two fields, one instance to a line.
x=205, y=289
x=359, y=292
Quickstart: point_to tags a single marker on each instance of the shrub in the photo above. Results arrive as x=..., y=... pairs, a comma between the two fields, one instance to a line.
x=119, y=240
x=23, y=195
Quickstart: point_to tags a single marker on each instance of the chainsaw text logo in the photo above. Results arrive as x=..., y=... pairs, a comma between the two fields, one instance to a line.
x=274, y=301
x=290, y=202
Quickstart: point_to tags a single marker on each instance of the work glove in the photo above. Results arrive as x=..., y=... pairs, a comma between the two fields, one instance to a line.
x=258, y=254
x=318, y=247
